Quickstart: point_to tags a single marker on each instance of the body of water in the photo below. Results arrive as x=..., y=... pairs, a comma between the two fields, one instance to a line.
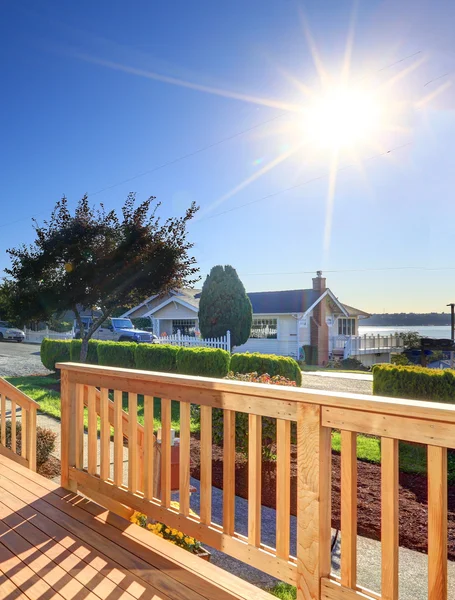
x=438, y=332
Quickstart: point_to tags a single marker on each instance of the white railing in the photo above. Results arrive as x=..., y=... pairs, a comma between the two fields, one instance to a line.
x=178, y=339
x=355, y=345
x=36, y=337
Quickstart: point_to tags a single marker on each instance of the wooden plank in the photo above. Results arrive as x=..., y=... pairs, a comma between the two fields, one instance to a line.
x=254, y=479
x=68, y=441
x=401, y=427
x=437, y=523
x=3, y=420
x=332, y=590
x=206, y=465
x=149, y=447
x=24, y=424
x=118, y=438
x=92, y=448
x=30, y=437
x=389, y=518
x=283, y=488
x=349, y=509
x=13, y=426
x=13, y=456
x=79, y=427
x=165, y=452
x=133, y=475
x=9, y=591
x=255, y=397
x=105, y=435
x=229, y=471
x=184, y=467
x=13, y=393
x=313, y=502
x=209, y=535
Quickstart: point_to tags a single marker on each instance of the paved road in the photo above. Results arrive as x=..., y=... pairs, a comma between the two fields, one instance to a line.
x=20, y=359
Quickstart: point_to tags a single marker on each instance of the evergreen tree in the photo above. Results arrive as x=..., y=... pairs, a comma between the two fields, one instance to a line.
x=224, y=306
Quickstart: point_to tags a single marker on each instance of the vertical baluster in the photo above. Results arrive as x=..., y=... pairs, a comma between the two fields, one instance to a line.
x=92, y=431
x=283, y=487
x=184, y=470
x=105, y=435
x=254, y=479
x=79, y=426
x=118, y=438
x=389, y=518
x=132, y=443
x=30, y=437
x=148, y=447
x=437, y=523
x=24, y=420
x=206, y=464
x=165, y=452
x=349, y=509
x=229, y=472
x=3, y=421
x=13, y=427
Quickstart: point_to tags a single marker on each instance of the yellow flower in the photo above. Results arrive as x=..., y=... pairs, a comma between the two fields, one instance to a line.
x=187, y=540
x=167, y=530
x=180, y=535
x=150, y=527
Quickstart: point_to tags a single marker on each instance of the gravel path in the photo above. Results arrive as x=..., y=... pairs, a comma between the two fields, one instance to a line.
x=336, y=384
x=20, y=360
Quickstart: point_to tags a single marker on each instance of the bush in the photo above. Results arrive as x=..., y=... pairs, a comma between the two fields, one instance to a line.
x=416, y=383
x=400, y=359
x=54, y=351
x=207, y=362
x=117, y=354
x=267, y=363
x=142, y=322
x=92, y=354
x=45, y=441
x=311, y=355
x=352, y=364
x=157, y=357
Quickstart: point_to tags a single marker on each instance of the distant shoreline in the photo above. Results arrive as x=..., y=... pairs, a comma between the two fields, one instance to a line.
x=407, y=320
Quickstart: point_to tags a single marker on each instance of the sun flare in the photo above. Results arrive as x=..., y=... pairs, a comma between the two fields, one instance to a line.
x=342, y=117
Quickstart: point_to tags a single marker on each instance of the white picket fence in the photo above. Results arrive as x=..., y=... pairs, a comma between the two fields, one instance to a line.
x=187, y=340
x=36, y=337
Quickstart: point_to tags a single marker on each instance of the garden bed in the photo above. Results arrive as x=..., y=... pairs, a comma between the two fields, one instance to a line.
x=412, y=496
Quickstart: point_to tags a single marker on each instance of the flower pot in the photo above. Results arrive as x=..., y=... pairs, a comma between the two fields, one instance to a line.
x=203, y=553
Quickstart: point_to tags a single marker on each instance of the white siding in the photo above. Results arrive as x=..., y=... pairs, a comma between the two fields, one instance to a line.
x=173, y=310
x=285, y=345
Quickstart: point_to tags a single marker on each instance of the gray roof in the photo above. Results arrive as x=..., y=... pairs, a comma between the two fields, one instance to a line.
x=287, y=301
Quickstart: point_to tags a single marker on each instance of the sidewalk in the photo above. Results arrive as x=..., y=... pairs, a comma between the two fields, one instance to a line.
x=355, y=376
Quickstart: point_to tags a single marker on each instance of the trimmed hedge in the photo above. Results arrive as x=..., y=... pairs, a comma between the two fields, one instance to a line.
x=267, y=363
x=208, y=362
x=54, y=351
x=416, y=383
x=117, y=354
x=92, y=354
x=157, y=357
x=311, y=355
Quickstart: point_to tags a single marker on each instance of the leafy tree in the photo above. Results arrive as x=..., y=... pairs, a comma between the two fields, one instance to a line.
x=8, y=309
x=411, y=339
x=96, y=260
x=224, y=306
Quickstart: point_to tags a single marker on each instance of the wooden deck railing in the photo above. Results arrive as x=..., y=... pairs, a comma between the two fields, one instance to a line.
x=16, y=407
x=315, y=414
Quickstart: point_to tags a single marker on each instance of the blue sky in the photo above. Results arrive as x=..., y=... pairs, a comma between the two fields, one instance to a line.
x=95, y=93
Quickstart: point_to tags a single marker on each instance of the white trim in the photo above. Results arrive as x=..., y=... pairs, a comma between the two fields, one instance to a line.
x=129, y=312
x=168, y=301
x=321, y=297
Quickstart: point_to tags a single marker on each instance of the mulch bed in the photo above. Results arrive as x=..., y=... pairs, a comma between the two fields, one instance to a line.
x=412, y=496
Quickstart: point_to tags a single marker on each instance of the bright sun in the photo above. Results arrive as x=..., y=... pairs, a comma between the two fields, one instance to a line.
x=342, y=117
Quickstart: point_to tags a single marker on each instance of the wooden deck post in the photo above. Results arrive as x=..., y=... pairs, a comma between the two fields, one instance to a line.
x=313, y=502
x=68, y=437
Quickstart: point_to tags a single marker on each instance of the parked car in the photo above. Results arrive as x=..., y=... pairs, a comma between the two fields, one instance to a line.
x=8, y=332
x=117, y=330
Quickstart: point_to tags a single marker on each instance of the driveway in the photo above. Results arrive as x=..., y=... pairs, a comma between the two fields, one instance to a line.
x=20, y=359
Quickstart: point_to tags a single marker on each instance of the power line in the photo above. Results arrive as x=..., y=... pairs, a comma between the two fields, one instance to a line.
x=299, y=185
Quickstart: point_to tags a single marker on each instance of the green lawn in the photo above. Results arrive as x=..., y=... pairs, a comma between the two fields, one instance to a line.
x=284, y=591
x=413, y=459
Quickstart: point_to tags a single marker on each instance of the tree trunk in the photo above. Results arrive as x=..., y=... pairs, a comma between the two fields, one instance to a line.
x=84, y=350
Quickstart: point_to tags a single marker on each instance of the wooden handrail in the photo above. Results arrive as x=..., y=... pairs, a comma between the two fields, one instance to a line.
x=314, y=414
x=29, y=407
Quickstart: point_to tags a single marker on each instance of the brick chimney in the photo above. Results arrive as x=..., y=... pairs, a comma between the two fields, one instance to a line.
x=318, y=329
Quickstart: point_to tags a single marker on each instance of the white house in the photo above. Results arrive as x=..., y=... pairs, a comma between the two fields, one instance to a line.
x=283, y=322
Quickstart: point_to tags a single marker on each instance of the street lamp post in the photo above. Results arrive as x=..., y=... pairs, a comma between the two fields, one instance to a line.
x=452, y=330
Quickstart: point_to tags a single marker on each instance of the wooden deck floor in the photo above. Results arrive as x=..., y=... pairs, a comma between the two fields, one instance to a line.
x=57, y=545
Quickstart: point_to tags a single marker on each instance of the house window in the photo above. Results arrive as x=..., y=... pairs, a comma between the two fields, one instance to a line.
x=185, y=326
x=346, y=326
x=264, y=328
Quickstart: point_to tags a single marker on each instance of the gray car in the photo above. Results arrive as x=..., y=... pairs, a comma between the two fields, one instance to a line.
x=10, y=333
